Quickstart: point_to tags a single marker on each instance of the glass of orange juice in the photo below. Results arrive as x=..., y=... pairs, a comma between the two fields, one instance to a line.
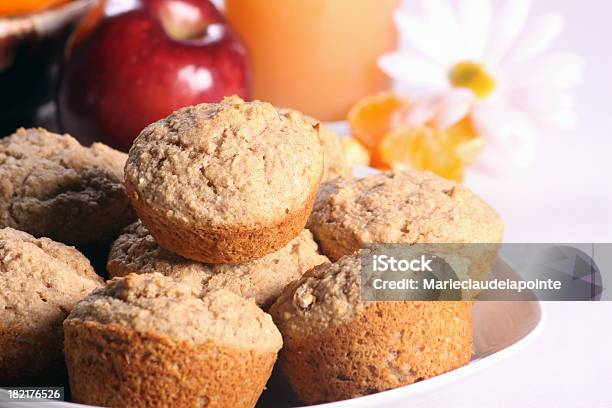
x=316, y=56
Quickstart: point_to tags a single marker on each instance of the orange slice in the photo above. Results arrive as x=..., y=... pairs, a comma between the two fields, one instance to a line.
x=445, y=153
x=374, y=116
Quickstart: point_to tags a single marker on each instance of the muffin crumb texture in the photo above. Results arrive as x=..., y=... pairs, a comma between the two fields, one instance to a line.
x=225, y=182
x=179, y=310
x=52, y=186
x=333, y=151
x=40, y=281
x=261, y=280
x=337, y=347
x=326, y=295
x=246, y=162
x=399, y=207
x=156, y=341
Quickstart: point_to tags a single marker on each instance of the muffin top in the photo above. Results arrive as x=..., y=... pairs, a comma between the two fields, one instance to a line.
x=232, y=163
x=399, y=207
x=40, y=281
x=52, y=186
x=333, y=152
x=335, y=164
x=262, y=280
x=329, y=294
x=154, y=303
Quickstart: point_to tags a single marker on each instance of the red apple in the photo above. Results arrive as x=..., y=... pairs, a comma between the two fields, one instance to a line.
x=133, y=62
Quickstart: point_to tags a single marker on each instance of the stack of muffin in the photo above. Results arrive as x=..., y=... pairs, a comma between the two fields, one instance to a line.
x=223, y=193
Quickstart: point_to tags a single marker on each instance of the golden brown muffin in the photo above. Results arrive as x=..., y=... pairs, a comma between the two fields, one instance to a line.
x=150, y=340
x=338, y=347
x=399, y=207
x=52, y=186
x=333, y=151
x=40, y=281
x=225, y=182
x=262, y=280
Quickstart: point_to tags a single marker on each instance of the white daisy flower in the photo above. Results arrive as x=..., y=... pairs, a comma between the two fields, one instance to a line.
x=499, y=56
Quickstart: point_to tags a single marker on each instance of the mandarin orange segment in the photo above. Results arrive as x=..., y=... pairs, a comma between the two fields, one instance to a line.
x=445, y=153
x=420, y=148
x=374, y=116
x=377, y=122
x=15, y=7
x=354, y=152
x=464, y=140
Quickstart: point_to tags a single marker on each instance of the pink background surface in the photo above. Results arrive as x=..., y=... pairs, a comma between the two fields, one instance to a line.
x=566, y=196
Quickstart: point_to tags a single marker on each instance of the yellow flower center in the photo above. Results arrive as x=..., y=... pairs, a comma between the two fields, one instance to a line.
x=467, y=74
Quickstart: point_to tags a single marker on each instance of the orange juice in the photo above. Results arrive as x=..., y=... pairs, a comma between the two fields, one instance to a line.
x=316, y=56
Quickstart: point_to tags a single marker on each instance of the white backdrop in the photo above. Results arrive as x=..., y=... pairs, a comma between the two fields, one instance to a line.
x=566, y=196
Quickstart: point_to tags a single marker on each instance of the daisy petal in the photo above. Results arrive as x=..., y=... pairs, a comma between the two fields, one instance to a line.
x=422, y=110
x=412, y=69
x=539, y=102
x=417, y=34
x=551, y=107
x=441, y=17
x=487, y=121
x=564, y=119
x=508, y=23
x=508, y=131
x=561, y=70
x=454, y=106
x=474, y=17
x=537, y=38
x=442, y=109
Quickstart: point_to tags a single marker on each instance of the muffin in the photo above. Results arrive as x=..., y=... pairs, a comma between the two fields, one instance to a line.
x=337, y=347
x=150, y=340
x=333, y=151
x=40, y=281
x=408, y=207
x=52, y=186
x=262, y=280
x=225, y=182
